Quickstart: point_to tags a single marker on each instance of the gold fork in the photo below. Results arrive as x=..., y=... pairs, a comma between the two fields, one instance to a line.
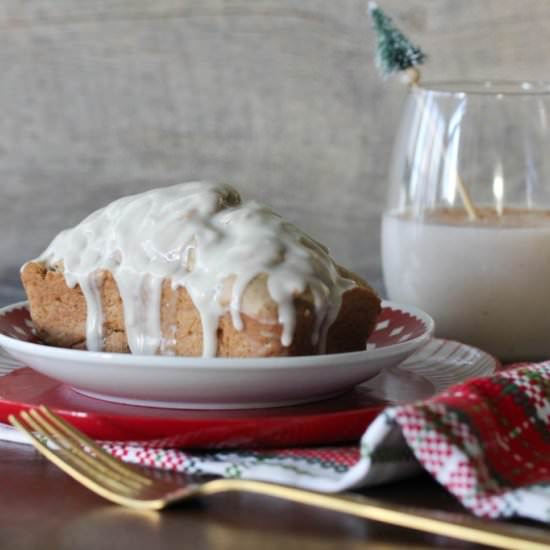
x=88, y=463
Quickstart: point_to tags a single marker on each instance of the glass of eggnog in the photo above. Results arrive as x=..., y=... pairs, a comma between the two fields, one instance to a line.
x=466, y=231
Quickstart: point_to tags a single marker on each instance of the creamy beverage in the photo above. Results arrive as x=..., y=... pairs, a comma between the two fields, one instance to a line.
x=486, y=283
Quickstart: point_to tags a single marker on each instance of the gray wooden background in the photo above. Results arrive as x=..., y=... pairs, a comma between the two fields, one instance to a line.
x=101, y=98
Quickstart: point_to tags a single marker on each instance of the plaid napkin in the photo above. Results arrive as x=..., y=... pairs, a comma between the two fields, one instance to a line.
x=487, y=441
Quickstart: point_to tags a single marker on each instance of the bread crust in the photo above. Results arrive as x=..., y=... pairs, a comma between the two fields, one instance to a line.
x=59, y=316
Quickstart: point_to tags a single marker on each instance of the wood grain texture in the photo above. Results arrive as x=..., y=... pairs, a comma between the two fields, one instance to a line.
x=43, y=509
x=281, y=98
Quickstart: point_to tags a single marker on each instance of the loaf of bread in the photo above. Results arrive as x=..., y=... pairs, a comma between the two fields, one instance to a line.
x=191, y=270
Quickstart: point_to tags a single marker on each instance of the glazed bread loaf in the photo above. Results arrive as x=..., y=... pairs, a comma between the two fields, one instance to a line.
x=191, y=270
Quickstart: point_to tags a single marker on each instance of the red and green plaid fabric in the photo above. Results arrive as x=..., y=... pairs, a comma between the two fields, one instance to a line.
x=488, y=441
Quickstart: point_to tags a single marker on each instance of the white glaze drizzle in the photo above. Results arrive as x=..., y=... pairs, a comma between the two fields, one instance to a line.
x=200, y=236
x=94, y=315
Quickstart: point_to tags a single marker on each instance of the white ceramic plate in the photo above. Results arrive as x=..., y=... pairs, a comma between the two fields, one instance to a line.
x=217, y=383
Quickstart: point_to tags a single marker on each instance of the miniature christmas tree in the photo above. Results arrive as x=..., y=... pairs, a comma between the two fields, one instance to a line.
x=395, y=52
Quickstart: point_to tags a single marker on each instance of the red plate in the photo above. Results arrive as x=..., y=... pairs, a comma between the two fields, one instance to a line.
x=335, y=420
x=439, y=364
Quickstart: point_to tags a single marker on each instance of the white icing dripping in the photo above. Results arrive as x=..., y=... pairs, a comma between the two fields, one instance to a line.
x=94, y=315
x=168, y=342
x=200, y=236
x=141, y=302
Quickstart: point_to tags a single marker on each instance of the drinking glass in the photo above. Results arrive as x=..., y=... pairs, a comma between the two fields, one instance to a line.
x=466, y=230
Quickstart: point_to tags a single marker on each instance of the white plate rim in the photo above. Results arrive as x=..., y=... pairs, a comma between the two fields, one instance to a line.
x=255, y=363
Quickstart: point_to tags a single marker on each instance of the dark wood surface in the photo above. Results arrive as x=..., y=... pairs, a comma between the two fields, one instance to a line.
x=41, y=508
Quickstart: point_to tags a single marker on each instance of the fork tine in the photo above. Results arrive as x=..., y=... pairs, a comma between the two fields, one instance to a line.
x=69, y=454
x=100, y=453
x=62, y=440
x=77, y=470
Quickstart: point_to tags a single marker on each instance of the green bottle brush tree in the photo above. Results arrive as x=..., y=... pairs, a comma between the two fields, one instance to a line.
x=395, y=53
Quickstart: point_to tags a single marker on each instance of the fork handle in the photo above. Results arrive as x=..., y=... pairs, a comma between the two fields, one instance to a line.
x=458, y=526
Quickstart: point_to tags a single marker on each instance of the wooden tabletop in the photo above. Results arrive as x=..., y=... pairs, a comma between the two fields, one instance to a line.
x=42, y=508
